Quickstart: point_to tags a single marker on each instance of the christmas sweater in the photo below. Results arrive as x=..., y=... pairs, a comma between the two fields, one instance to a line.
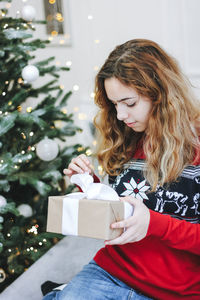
x=166, y=263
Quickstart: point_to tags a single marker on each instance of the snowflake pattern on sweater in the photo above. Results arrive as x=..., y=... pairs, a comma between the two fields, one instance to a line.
x=180, y=199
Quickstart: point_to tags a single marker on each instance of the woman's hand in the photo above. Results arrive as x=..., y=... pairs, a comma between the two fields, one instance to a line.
x=136, y=226
x=78, y=165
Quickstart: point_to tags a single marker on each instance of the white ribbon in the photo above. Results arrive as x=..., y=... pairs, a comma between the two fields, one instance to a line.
x=90, y=190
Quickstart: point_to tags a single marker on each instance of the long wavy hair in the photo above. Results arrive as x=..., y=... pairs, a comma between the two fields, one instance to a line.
x=171, y=140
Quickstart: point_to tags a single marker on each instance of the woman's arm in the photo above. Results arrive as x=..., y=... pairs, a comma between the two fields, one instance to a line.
x=178, y=234
x=175, y=233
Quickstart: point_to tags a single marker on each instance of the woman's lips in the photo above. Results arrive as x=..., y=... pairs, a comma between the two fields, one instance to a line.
x=130, y=124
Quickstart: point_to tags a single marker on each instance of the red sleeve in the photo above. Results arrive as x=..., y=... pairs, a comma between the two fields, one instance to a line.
x=178, y=234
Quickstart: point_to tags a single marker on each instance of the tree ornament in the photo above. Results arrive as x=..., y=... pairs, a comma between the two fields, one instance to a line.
x=47, y=149
x=30, y=73
x=28, y=12
x=2, y=275
x=3, y=201
x=25, y=210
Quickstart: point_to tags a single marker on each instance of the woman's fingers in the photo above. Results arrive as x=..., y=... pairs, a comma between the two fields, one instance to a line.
x=79, y=164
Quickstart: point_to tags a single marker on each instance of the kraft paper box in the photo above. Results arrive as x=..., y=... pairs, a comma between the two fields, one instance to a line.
x=88, y=217
x=89, y=213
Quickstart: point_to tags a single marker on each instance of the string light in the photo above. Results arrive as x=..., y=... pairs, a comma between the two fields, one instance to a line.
x=80, y=149
x=23, y=152
x=52, y=1
x=94, y=142
x=23, y=135
x=76, y=108
x=64, y=111
x=96, y=68
x=8, y=234
x=3, y=13
x=4, y=93
x=29, y=109
x=31, y=133
x=97, y=41
x=82, y=116
x=1, y=112
x=58, y=124
x=90, y=17
x=62, y=87
x=33, y=230
x=68, y=63
x=88, y=152
x=19, y=108
x=59, y=17
x=92, y=95
x=100, y=170
x=75, y=87
x=54, y=33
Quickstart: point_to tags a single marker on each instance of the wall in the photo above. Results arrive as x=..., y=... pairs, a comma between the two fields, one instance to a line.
x=172, y=23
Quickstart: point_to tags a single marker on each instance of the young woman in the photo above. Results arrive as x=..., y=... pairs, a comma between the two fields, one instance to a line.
x=149, y=122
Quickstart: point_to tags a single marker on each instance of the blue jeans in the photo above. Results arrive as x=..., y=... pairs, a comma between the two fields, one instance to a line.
x=94, y=283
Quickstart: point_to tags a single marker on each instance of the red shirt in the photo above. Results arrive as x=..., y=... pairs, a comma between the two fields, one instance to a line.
x=166, y=263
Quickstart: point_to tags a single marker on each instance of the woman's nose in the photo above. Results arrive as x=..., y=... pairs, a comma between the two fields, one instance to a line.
x=121, y=113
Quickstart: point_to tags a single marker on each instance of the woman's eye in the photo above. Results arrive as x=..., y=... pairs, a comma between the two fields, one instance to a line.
x=131, y=105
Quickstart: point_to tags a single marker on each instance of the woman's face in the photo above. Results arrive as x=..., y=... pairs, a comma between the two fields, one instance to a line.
x=133, y=109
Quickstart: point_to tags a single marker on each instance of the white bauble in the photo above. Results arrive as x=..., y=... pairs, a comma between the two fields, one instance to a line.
x=25, y=210
x=47, y=149
x=3, y=201
x=30, y=73
x=28, y=12
x=2, y=275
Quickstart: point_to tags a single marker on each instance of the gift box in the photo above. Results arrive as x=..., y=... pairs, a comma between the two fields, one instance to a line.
x=87, y=214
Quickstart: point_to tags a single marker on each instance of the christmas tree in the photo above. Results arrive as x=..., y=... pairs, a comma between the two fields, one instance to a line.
x=31, y=159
